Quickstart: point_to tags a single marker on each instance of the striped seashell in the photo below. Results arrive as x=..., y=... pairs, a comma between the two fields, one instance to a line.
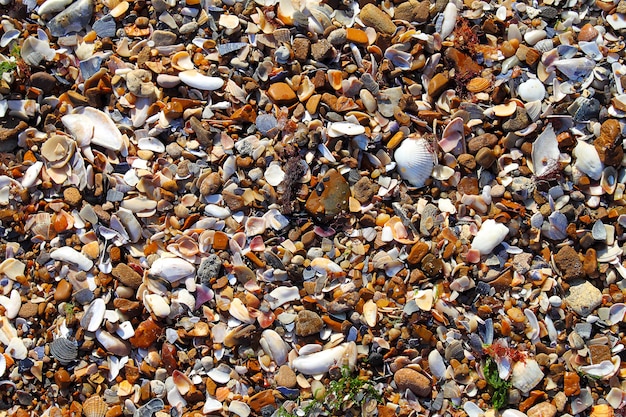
x=478, y=84
x=64, y=350
x=95, y=407
x=416, y=159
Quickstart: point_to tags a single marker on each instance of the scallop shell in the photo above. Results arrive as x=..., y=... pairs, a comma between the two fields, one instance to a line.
x=478, y=84
x=416, y=160
x=64, y=350
x=545, y=152
x=602, y=410
x=95, y=407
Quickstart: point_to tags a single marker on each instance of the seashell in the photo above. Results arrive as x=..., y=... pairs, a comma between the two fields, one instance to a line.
x=526, y=375
x=172, y=269
x=370, y=313
x=602, y=410
x=609, y=180
x=182, y=382
x=3, y=365
x=11, y=304
x=533, y=109
x=502, y=110
x=239, y=408
x=64, y=350
x=436, y=364
x=545, y=153
x=544, y=45
x=221, y=374
x=415, y=159
x=598, y=231
x=490, y=235
x=95, y=406
x=450, y=14
x=202, y=82
x=510, y=412
x=282, y=295
x=453, y=137
x=213, y=210
x=51, y=6
x=399, y=58
x=58, y=150
x=255, y=226
x=36, y=50
x=92, y=126
x=338, y=129
x=472, y=409
x=94, y=315
x=274, y=174
x=604, y=369
x=617, y=21
x=576, y=69
x=72, y=256
x=274, y=346
x=531, y=90
x=616, y=313
x=443, y=173
x=157, y=305
x=533, y=36
x=614, y=397
x=211, y=405
x=73, y=19
x=424, y=299
x=478, y=84
x=181, y=60
x=320, y=362
x=587, y=160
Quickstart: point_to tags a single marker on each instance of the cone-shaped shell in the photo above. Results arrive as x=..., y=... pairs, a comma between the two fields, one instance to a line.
x=416, y=159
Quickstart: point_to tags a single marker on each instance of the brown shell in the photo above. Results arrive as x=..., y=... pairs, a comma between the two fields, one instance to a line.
x=602, y=410
x=95, y=407
x=478, y=84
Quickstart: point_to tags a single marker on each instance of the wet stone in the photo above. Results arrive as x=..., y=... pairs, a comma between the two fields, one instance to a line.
x=486, y=140
x=417, y=253
x=63, y=291
x=127, y=275
x=286, y=377
x=364, y=189
x=406, y=11
x=599, y=353
x=437, y=84
x=43, y=80
x=281, y=94
x=485, y=157
x=28, y=310
x=518, y=122
x=379, y=20
x=163, y=38
x=583, y=297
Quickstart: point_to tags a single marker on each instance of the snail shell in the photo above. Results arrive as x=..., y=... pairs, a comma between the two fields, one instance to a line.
x=415, y=158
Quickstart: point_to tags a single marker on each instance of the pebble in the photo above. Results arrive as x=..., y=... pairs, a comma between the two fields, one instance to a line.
x=308, y=323
x=63, y=291
x=568, y=262
x=583, y=297
x=286, y=377
x=281, y=94
x=543, y=409
x=381, y=22
x=407, y=378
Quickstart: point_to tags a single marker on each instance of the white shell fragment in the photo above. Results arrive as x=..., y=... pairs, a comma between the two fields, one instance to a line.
x=545, y=152
x=526, y=375
x=202, y=82
x=588, y=160
x=172, y=269
x=320, y=362
x=490, y=235
x=73, y=257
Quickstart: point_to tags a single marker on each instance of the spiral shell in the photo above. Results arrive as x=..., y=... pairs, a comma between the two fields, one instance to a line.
x=415, y=158
x=95, y=407
x=64, y=350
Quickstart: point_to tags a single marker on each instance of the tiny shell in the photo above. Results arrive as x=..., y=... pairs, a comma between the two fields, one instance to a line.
x=370, y=313
x=172, y=269
x=95, y=406
x=274, y=345
x=526, y=375
x=545, y=152
x=602, y=410
x=72, y=256
x=416, y=160
x=532, y=90
x=490, y=235
x=202, y=82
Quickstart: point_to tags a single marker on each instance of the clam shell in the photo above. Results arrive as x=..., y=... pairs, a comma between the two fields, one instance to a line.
x=172, y=269
x=72, y=256
x=72, y=19
x=587, y=160
x=545, y=152
x=95, y=407
x=274, y=345
x=202, y=82
x=526, y=375
x=415, y=159
x=320, y=362
x=64, y=350
x=478, y=84
x=490, y=235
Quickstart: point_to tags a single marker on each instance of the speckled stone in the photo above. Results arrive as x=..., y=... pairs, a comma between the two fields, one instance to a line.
x=407, y=378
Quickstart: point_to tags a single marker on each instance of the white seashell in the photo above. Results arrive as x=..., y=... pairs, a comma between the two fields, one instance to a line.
x=509, y=412
x=35, y=50
x=274, y=174
x=89, y=125
x=221, y=374
x=125, y=330
x=575, y=68
x=11, y=304
x=32, y=174
x=526, y=375
x=533, y=36
x=453, y=137
x=608, y=181
x=533, y=333
x=617, y=21
x=321, y=362
x=172, y=269
x=72, y=256
x=449, y=20
x=436, y=364
x=472, y=409
x=255, y=226
x=274, y=346
x=157, y=305
x=614, y=397
x=16, y=349
x=7, y=331
x=94, y=315
x=442, y=172
x=325, y=266
x=415, y=159
x=545, y=152
x=213, y=210
x=239, y=311
x=282, y=295
x=370, y=313
x=240, y=408
x=211, y=405
x=202, y=82
x=112, y=343
x=490, y=235
x=532, y=90
x=151, y=144
x=3, y=365
x=587, y=160
x=338, y=129
x=424, y=299
x=616, y=313
x=52, y=6
x=604, y=369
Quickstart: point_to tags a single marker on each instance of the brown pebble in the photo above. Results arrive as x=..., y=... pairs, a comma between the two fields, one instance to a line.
x=568, y=262
x=72, y=196
x=372, y=16
x=486, y=140
x=28, y=310
x=127, y=275
x=63, y=291
x=308, y=323
x=286, y=377
x=543, y=409
x=417, y=253
x=281, y=94
x=485, y=157
x=437, y=84
x=407, y=378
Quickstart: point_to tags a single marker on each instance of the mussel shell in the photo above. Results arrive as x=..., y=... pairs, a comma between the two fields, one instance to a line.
x=64, y=350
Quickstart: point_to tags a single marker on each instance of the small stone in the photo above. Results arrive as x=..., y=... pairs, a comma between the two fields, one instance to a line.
x=308, y=323
x=127, y=276
x=321, y=50
x=286, y=377
x=72, y=196
x=163, y=38
x=43, y=80
x=174, y=150
x=374, y=17
x=28, y=310
x=188, y=28
x=209, y=268
x=337, y=37
x=301, y=48
x=262, y=399
x=571, y=383
x=518, y=122
x=468, y=185
x=485, y=157
x=63, y=291
x=587, y=33
x=203, y=135
x=364, y=189
x=467, y=161
x=422, y=11
x=233, y=201
x=146, y=334
x=417, y=253
x=599, y=353
x=330, y=196
x=356, y=36
x=543, y=409
x=406, y=11
x=583, y=298
x=568, y=262
x=437, y=84
x=281, y=94
x=590, y=263
x=486, y=140
x=407, y=378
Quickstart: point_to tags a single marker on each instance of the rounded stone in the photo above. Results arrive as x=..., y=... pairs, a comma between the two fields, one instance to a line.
x=410, y=379
x=308, y=323
x=63, y=291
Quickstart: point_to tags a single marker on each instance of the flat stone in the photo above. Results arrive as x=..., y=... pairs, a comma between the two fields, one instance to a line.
x=486, y=140
x=590, y=263
x=321, y=50
x=571, y=383
x=485, y=157
x=519, y=121
x=583, y=298
x=262, y=399
x=356, y=36
x=364, y=189
x=127, y=275
x=422, y=11
x=72, y=196
x=28, y=310
x=308, y=323
x=407, y=378
x=281, y=94
x=374, y=17
x=163, y=38
x=146, y=334
x=43, y=80
x=330, y=196
x=437, y=84
x=543, y=409
x=417, y=253
x=599, y=353
x=301, y=48
x=203, y=135
x=568, y=262
x=406, y=11
x=286, y=377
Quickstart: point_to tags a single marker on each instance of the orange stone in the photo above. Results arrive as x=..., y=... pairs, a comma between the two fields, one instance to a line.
x=220, y=240
x=63, y=291
x=282, y=94
x=146, y=334
x=437, y=84
x=356, y=35
x=330, y=196
x=244, y=114
x=587, y=33
x=262, y=399
x=418, y=251
x=571, y=383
